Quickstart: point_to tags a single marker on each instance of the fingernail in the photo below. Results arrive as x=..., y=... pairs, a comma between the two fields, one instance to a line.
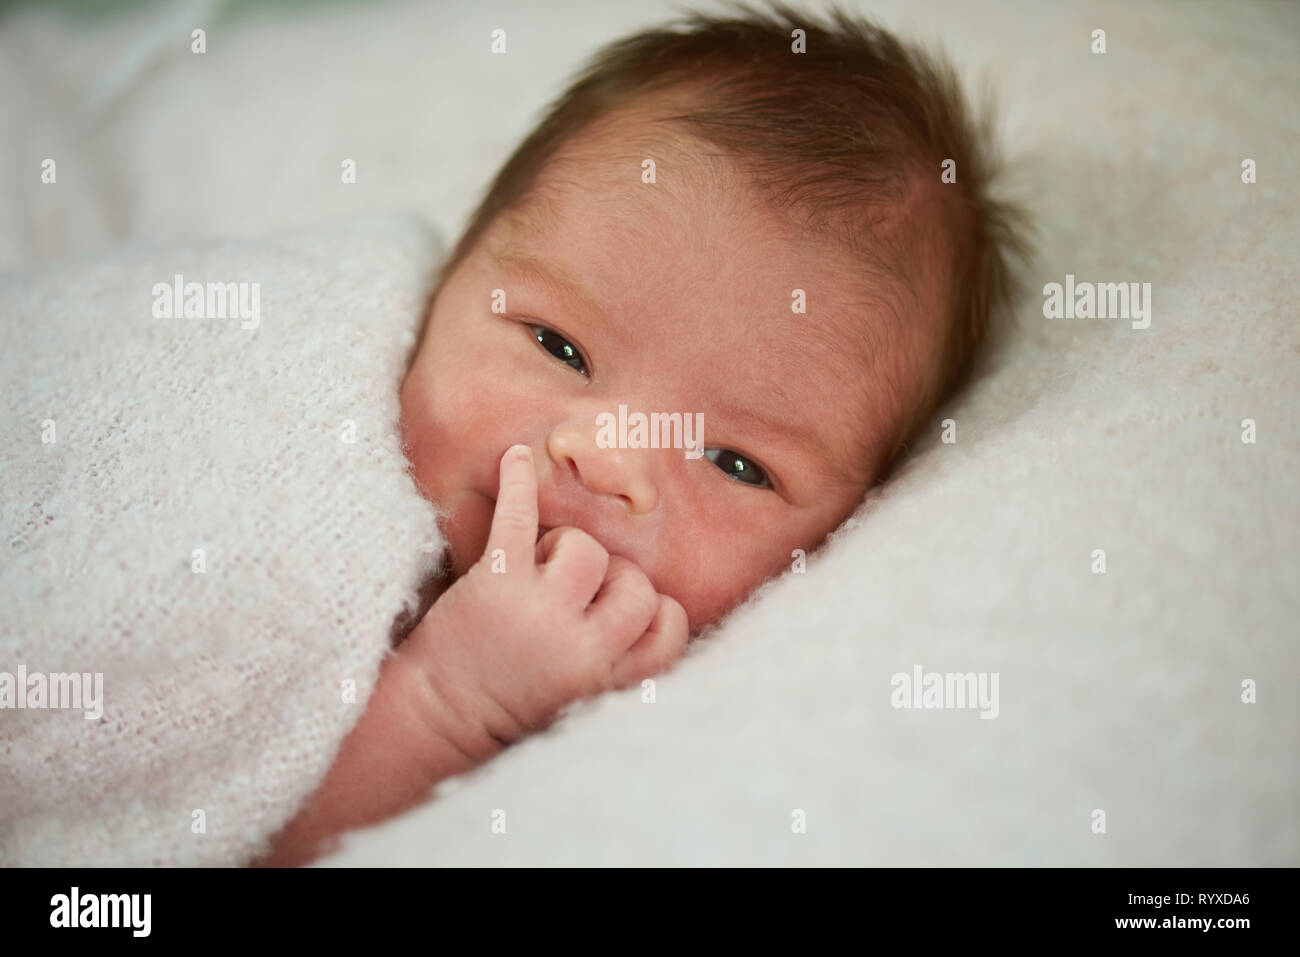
x=522, y=452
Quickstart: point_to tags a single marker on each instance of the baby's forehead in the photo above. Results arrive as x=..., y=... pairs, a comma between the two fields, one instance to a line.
x=701, y=249
x=640, y=164
x=687, y=222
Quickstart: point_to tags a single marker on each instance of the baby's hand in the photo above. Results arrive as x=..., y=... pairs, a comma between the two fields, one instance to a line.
x=538, y=624
x=497, y=655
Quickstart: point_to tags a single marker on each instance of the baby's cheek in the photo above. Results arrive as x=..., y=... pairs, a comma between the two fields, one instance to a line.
x=709, y=581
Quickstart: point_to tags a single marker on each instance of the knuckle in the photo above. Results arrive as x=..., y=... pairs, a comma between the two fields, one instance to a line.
x=580, y=542
x=676, y=621
x=621, y=569
x=511, y=493
x=579, y=555
x=640, y=596
x=513, y=520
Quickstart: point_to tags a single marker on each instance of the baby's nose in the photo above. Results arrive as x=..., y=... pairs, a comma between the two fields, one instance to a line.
x=622, y=473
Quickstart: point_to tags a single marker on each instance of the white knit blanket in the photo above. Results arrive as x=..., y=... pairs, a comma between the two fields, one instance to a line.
x=210, y=519
x=1119, y=692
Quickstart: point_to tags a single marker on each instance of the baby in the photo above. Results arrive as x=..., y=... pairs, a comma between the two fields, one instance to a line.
x=775, y=227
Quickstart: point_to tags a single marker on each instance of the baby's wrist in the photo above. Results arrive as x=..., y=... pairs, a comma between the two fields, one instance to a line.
x=456, y=711
x=408, y=739
x=458, y=717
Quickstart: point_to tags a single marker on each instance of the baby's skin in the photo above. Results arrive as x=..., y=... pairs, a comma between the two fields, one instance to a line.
x=535, y=624
x=669, y=296
x=540, y=622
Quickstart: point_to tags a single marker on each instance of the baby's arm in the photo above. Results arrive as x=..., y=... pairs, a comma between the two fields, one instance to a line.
x=406, y=740
x=495, y=657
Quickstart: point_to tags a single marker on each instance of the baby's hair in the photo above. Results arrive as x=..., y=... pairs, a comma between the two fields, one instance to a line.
x=837, y=130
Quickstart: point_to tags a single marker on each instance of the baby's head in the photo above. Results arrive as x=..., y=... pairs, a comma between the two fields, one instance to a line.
x=736, y=222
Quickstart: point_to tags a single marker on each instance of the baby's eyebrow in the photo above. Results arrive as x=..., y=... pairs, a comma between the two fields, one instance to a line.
x=793, y=431
x=771, y=423
x=557, y=278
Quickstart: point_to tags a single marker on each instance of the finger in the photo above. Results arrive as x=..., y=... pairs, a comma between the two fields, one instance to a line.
x=656, y=650
x=625, y=604
x=546, y=544
x=514, y=520
x=574, y=563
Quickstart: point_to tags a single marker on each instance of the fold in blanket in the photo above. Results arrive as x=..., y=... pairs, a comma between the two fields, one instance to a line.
x=209, y=532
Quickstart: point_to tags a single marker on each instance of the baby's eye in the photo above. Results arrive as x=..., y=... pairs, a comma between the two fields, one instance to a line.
x=559, y=347
x=738, y=467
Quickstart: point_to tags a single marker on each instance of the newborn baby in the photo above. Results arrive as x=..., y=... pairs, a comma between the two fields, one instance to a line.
x=775, y=228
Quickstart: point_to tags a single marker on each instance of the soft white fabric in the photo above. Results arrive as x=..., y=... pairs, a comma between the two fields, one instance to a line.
x=128, y=442
x=1119, y=692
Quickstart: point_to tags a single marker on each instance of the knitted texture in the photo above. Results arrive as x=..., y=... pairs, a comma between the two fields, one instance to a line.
x=216, y=516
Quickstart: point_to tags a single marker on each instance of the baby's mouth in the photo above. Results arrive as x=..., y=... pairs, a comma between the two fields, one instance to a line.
x=541, y=530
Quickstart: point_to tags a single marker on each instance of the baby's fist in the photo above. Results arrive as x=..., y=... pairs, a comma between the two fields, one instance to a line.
x=535, y=625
